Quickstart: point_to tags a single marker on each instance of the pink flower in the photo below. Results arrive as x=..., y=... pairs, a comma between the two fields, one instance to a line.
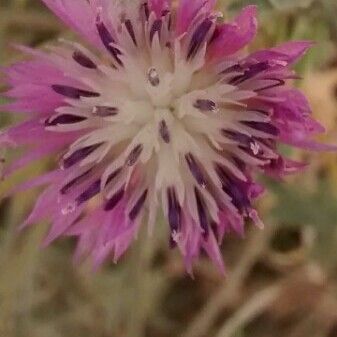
x=164, y=114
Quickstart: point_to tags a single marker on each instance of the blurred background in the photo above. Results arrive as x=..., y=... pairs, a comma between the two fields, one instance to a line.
x=280, y=282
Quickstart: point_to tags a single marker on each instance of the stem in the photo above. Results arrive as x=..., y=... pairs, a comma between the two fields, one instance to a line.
x=207, y=316
x=138, y=274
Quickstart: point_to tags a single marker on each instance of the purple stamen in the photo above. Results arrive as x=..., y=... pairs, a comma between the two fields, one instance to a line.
x=252, y=71
x=134, y=155
x=278, y=83
x=264, y=127
x=156, y=28
x=235, y=189
x=145, y=8
x=113, y=175
x=138, y=206
x=205, y=105
x=105, y=111
x=79, y=155
x=108, y=40
x=117, y=197
x=238, y=137
x=72, y=92
x=64, y=119
x=195, y=170
x=203, y=220
x=199, y=37
x=83, y=60
x=174, y=210
x=129, y=27
x=90, y=192
x=164, y=132
x=65, y=189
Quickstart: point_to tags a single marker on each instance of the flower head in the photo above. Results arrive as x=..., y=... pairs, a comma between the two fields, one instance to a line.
x=163, y=113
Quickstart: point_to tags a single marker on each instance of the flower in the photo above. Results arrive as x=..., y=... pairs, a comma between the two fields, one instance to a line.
x=163, y=112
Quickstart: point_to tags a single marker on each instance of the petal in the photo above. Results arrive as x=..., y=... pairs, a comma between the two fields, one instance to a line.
x=288, y=53
x=188, y=10
x=230, y=38
x=159, y=6
x=79, y=15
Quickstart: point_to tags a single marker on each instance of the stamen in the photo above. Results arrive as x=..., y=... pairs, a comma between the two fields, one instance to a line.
x=237, y=136
x=153, y=77
x=252, y=71
x=105, y=111
x=203, y=220
x=65, y=189
x=112, y=203
x=134, y=155
x=83, y=60
x=72, y=92
x=64, y=119
x=199, y=37
x=195, y=170
x=138, y=206
x=79, y=155
x=264, y=127
x=146, y=11
x=90, y=192
x=113, y=175
x=205, y=105
x=174, y=211
x=164, y=132
x=131, y=31
x=156, y=28
x=234, y=189
x=278, y=83
x=108, y=40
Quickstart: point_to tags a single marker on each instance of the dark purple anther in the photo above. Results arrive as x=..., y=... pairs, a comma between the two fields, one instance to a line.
x=203, y=220
x=129, y=27
x=90, y=192
x=105, y=111
x=199, y=37
x=195, y=170
x=277, y=83
x=145, y=8
x=83, y=60
x=205, y=105
x=134, y=155
x=64, y=119
x=79, y=155
x=156, y=28
x=264, y=127
x=252, y=71
x=113, y=175
x=164, y=132
x=233, y=68
x=174, y=210
x=138, y=206
x=79, y=179
x=235, y=189
x=108, y=40
x=238, y=137
x=72, y=92
x=117, y=197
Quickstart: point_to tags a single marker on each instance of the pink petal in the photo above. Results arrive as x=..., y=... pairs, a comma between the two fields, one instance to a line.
x=79, y=15
x=159, y=6
x=233, y=37
x=188, y=10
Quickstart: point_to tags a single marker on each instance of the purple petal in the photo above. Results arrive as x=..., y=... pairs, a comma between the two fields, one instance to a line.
x=230, y=38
